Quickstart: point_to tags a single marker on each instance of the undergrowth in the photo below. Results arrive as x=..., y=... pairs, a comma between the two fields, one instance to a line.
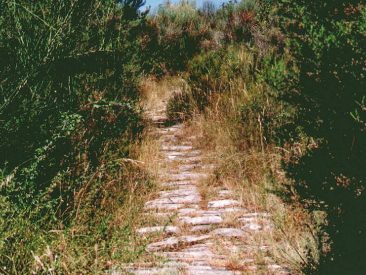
x=69, y=188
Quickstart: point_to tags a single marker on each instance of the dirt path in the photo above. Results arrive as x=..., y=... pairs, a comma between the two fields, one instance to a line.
x=192, y=233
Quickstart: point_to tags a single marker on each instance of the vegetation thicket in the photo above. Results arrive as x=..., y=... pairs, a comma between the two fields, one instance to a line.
x=327, y=88
x=69, y=118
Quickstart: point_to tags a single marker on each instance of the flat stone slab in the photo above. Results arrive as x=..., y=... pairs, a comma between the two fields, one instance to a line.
x=211, y=271
x=166, y=131
x=228, y=232
x=214, y=212
x=256, y=222
x=192, y=153
x=253, y=226
x=187, y=176
x=190, y=160
x=176, y=148
x=188, y=256
x=222, y=203
x=187, y=211
x=225, y=193
x=155, y=271
x=184, y=269
x=231, y=210
x=203, y=213
x=257, y=215
x=155, y=229
x=187, y=158
x=191, y=199
x=179, y=193
x=175, y=242
x=201, y=220
x=188, y=167
x=184, y=183
x=165, y=206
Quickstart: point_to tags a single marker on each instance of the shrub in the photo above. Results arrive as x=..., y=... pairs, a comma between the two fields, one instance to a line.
x=214, y=71
x=327, y=89
x=69, y=77
x=181, y=32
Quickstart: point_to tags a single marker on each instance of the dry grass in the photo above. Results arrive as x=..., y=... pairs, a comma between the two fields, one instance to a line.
x=119, y=211
x=254, y=173
x=155, y=94
x=124, y=197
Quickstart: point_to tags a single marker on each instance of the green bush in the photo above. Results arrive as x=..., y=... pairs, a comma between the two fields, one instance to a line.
x=69, y=74
x=181, y=33
x=327, y=90
x=215, y=71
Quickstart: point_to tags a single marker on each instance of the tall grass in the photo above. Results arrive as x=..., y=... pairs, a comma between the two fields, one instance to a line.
x=68, y=117
x=238, y=130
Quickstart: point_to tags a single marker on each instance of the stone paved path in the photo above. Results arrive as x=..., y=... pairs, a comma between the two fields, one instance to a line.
x=197, y=236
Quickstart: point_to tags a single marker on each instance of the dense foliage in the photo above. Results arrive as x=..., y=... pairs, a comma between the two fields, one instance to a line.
x=327, y=88
x=69, y=74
